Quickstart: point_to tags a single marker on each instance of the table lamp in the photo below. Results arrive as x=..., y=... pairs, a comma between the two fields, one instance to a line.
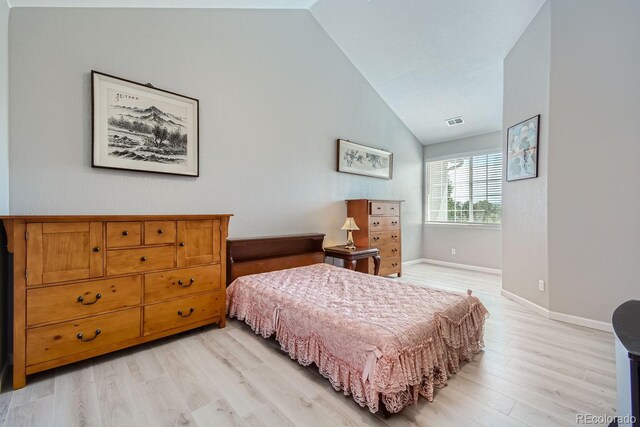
x=350, y=225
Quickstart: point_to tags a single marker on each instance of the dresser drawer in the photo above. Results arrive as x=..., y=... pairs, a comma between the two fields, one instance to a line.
x=388, y=266
x=378, y=208
x=159, y=232
x=183, y=282
x=64, y=339
x=393, y=209
x=384, y=223
x=390, y=250
x=379, y=238
x=385, y=208
x=392, y=223
x=137, y=260
x=64, y=302
x=181, y=312
x=124, y=234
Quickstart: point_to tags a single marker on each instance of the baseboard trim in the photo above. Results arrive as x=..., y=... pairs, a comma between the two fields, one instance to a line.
x=581, y=321
x=561, y=317
x=525, y=302
x=462, y=266
x=415, y=261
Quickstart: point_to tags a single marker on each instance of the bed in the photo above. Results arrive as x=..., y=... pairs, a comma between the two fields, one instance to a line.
x=381, y=341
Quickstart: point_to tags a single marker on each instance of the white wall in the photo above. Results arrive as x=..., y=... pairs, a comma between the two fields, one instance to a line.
x=524, y=210
x=475, y=245
x=275, y=93
x=4, y=162
x=577, y=225
x=4, y=107
x=594, y=177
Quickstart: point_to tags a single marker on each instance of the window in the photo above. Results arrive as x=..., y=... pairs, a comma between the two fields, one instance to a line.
x=465, y=189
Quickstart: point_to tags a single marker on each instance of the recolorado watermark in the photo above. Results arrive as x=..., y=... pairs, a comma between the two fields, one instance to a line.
x=604, y=419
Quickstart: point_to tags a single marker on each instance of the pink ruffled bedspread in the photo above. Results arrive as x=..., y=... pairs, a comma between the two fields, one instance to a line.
x=370, y=336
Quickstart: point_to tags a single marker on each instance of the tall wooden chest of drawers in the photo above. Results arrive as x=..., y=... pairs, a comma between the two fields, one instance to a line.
x=380, y=227
x=89, y=285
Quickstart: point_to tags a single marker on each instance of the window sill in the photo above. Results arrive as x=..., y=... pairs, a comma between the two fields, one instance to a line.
x=464, y=225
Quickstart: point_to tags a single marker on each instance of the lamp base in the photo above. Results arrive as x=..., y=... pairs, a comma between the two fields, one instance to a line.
x=350, y=244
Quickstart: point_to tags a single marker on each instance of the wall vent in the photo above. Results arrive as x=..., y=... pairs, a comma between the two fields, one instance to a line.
x=455, y=121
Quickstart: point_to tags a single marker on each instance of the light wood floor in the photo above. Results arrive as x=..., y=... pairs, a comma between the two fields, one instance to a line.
x=534, y=371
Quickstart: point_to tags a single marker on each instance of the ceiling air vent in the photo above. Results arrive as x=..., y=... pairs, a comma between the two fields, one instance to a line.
x=455, y=121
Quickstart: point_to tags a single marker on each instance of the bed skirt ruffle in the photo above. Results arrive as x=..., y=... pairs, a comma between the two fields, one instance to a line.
x=397, y=379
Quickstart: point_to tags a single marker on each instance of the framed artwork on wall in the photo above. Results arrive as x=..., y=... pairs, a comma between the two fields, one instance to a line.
x=362, y=160
x=522, y=149
x=141, y=128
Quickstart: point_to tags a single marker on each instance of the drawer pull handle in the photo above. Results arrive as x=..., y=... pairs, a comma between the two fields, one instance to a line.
x=160, y=231
x=81, y=300
x=379, y=208
x=81, y=337
x=181, y=244
x=181, y=283
x=96, y=249
x=191, y=310
x=144, y=258
x=125, y=233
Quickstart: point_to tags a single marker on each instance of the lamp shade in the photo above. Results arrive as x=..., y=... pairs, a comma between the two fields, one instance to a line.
x=349, y=224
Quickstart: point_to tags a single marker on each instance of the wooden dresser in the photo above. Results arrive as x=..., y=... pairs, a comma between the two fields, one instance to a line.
x=88, y=285
x=379, y=223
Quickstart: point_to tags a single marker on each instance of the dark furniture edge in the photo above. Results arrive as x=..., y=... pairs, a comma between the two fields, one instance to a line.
x=626, y=325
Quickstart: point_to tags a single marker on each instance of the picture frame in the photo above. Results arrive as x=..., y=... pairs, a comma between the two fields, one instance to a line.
x=522, y=149
x=360, y=159
x=138, y=127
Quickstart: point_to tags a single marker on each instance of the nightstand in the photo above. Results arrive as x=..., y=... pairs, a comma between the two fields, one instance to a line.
x=351, y=256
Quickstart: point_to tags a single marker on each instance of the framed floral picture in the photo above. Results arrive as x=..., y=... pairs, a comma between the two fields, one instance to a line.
x=142, y=128
x=522, y=149
x=362, y=160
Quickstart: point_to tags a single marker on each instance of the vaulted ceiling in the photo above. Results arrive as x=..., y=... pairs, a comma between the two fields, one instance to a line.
x=430, y=60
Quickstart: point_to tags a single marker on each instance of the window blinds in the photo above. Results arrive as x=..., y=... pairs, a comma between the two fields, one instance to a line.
x=465, y=189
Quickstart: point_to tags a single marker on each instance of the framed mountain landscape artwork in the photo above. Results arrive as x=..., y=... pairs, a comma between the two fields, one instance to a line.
x=141, y=128
x=362, y=160
x=522, y=149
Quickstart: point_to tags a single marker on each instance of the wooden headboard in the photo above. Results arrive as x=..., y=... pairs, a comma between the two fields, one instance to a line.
x=270, y=253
